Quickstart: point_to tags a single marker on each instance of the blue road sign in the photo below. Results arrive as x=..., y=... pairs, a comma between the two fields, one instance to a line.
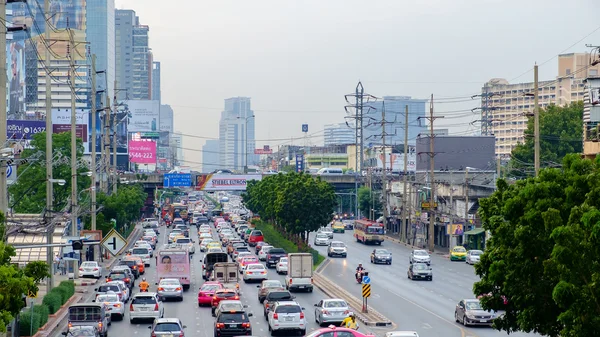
x=299, y=163
x=366, y=280
x=177, y=180
x=9, y=171
x=304, y=127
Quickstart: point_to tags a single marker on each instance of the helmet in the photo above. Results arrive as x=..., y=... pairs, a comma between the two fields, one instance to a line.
x=352, y=316
x=143, y=279
x=360, y=264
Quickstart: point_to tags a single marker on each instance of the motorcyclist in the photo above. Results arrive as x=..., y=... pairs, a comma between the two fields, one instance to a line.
x=350, y=322
x=144, y=285
x=359, y=269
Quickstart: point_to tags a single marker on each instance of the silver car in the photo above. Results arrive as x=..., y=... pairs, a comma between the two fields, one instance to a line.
x=333, y=310
x=287, y=316
x=473, y=256
x=321, y=239
x=327, y=231
x=230, y=305
x=167, y=327
x=470, y=312
x=170, y=288
x=419, y=256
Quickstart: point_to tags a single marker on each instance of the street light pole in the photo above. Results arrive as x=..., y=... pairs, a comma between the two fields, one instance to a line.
x=49, y=187
x=74, y=204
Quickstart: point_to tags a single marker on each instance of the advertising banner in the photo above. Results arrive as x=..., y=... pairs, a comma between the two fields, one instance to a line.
x=455, y=229
x=265, y=150
x=142, y=152
x=144, y=116
x=23, y=129
x=224, y=182
x=61, y=122
x=15, y=52
x=395, y=161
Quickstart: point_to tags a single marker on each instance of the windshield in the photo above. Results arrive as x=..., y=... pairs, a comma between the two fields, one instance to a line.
x=117, y=276
x=184, y=241
x=272, y=284
x=279, y=295
x=375, y=230
x=420, y=253
x=89, y=265
x=420, y=266
x=210, y=287
x=255, y=266
x=337, y=244
x=232, y=317
x=276, y=251
x=283, y=260
x=107, y=298
x=322, y=236
x=381, y=251
x=476, y=252
x=288, y=309
x=169, y=282
x=175, y=232
x=335, y=304
x=459, y=249
x=104, y=289
x=225, y=294
x=143, y=300
x=473, y=306
x=140, y=251
x=231, y=305
x=167, y=327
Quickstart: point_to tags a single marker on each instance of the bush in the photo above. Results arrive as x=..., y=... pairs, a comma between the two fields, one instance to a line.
x=69, y=285
x=53, y=301
x=63, y=293
x=43, y=311
x=29, y=325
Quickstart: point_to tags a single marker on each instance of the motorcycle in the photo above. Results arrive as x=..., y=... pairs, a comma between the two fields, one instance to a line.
x=359, y=276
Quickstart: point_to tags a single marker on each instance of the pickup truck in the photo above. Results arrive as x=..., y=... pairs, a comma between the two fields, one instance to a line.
x=274, y=255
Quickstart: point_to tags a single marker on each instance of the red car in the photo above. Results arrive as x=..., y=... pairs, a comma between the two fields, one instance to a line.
x=255, y=237
x=246, y=260
x=223, y=294
x=207, y=291
x=328, y=332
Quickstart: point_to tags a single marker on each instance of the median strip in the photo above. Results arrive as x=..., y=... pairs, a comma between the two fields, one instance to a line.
x=372, y=318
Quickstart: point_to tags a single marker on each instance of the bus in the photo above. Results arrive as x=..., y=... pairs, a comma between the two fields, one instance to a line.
x=179, y=211
x=174, y=263
x=367, y=231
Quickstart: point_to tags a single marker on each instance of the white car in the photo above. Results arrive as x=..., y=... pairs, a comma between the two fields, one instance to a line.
x=143, y=253
x=322, y=239
x=151, y=241
x=170, y=288
x=145, y=306
x=287, y=316
x=204, y=243
x=188, y=243
x=241, y=254
x=203, y=236
x=174, y=233
x=255, y=272
x=144, y=244
x=151, y=232
x=204, y=229
x=282, y=266
x=113, y=304
x=90, y=269
x=473, y=256
x=242, y=228
x=262, y=255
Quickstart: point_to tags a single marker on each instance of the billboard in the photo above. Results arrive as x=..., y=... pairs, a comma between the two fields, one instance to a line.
x=23, y=129
x=144, y=116
x=15, y=52
x=224, y=182
x=177, y=180
x=61, y=122
x=455, y=229
x=395, y=161
x=265, y=150
x=142, y=151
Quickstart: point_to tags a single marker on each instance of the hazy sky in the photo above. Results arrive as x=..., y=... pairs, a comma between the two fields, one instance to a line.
x=297, y=59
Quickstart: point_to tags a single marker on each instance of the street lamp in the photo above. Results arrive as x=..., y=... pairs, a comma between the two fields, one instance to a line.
x=246, y=141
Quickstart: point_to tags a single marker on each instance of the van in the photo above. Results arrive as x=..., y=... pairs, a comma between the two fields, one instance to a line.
x=90, y=314
x=328, y=171
x=143, y=253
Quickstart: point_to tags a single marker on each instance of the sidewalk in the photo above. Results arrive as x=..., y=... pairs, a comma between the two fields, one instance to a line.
x=444, y=251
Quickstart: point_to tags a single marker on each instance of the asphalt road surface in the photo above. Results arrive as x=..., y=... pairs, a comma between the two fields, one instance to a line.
x=423, y=306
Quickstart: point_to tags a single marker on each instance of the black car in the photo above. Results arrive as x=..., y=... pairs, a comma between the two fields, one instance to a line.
x=132, y=264
x=274, y=255
x=121, y=276
x=273, y=296
x=381, y=256
x=420, y=271
x=234, y=323
x=202, y=219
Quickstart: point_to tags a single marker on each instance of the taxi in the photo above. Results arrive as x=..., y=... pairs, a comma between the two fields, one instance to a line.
x=214, y=244
x=176, y=237
x=458, y=253
x=330, y=330
x=338, y=227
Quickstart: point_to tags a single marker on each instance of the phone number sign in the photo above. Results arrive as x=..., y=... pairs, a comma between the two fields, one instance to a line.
x=142, y=151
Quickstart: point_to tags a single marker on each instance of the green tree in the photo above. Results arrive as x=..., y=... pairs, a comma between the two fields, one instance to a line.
x=367, y=200
x=561, y=133
x=124, y=206
x=28, y=194
x=544, y=251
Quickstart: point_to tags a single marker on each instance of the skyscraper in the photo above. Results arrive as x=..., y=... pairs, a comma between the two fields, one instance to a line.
x=133, y=57
x=100, y=32
x=210, y=156
x=394, y=115
x=235, y=147
x=156, y=81
x=339, y=134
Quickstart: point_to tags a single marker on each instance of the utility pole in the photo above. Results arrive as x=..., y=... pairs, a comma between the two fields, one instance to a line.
x=114, y=167
x=74, y=196
x=466, y=204
x=3, y=177
x=94, y=169
x=431, y=154
x=405, y=221
x=106, y=145
x=384, y=175
x=49, y=186
x=536, y=125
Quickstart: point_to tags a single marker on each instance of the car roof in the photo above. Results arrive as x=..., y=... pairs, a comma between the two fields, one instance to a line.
x=231, y=302
x=334, y=300
x=169, y=279
x=166, y=320
x=337, y=242
x=144, y=294
x=401, y=334
x=286, y=303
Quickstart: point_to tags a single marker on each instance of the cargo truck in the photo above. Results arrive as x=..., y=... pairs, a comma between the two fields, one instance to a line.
x=300, y=271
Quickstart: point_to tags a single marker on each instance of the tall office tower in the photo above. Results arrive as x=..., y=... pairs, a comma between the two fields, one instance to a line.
x=237, y=135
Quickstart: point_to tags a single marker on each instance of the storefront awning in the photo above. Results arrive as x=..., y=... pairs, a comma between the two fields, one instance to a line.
x=475, y=231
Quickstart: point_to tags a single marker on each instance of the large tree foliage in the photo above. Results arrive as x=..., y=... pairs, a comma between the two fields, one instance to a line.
x=28, y=194
x=561, y=133
x=544, y=252
x=299, y=203
x=368, y=200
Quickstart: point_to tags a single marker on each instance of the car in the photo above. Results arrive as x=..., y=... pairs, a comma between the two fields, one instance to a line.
x=282, y=266
x=82, y=331
x=205, y=228
x=113, y=304
x=259, y=246
x=337, y=248
x=233, y=244
x=150, y=240
x=458, y=253
x=167, y=327
x=287, y=316
x=230, y=305
x=143, y=253
x=238, y=250
x=246, y=260
x=262, y=254
x=90, y=269
x=419, y=256
x=401, y=334
x=117, y=287
x=341, y=332
x=255, y=236
x=139, y=262
x=233, y=324
x=255, y=272
x=273, y=295
x=267, y=285
x=144, y=244
x=242, y=254
x=421, y=271
x=132, y=265
x=321, y=239
x=146, y=305
x=206, y=292
x=273, y=256
x=204, y=243
x=338, y=227
x=470, y=312
x=174, y=233
x=205, y=235
x=242, y=228
x=473, y=256
x=121, y=275
x=214, y=244
x=170, y=288
x=327, y=231
x=223, y=294
x=333, y=310
x=381, y=256
x=184, y=229
x=188, y=243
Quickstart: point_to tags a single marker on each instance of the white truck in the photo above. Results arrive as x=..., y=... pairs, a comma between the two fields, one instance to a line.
x=227, y=274
x=300, y=272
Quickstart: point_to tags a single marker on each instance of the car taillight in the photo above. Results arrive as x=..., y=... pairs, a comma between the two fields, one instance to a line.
x=161, y=289
x=311, y=280
x=108, y=279
x=275, y=316
x=346, y=312
x=156, y=307
x=118, y=305
x=181, y=334
x=178, y=288
x=127, y=279
x=245, y=325
x=95, y=269
x=266, y=305
x=214, y=297
x=134, y=267
x=220, y=325
x=236, y=298
x=99, y=325
x=152, y=334
x=131, y=307
x=301, y=315
x=120, y=296
x=290, y=281
x=263, y=272
x=325, y=312
x=80, y=269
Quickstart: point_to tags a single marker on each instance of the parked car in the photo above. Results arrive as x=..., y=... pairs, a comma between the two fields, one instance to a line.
x=90, y=269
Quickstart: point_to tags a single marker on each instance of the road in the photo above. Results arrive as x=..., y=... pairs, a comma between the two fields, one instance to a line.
x=199, y=320
x=423, y=306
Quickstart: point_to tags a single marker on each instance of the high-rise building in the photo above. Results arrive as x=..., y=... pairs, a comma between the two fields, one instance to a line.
x=166, y=131
x=508, y=104
x=177, y=150
x=236, y=148
x=210, y=156
x=339, y=134
x=100, y=32
x=133, y=57
x=394, y=114
x=156, y=81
